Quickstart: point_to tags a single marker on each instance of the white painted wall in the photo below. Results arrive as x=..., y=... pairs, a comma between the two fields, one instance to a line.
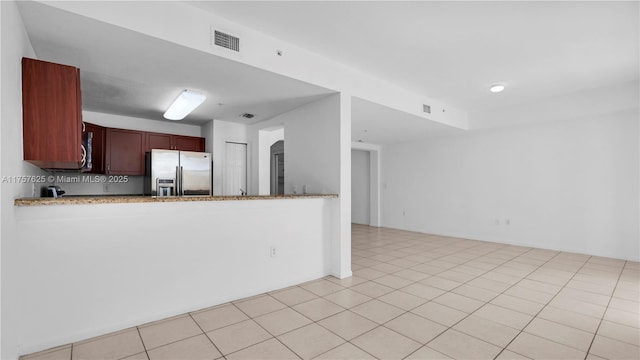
x=569, y=185
x=224, y=131
x=14, y=44
x=312, y=147
x=360, y=187
x=266, y=138
x=318, y=155
x=207, y=134
x=124, y=264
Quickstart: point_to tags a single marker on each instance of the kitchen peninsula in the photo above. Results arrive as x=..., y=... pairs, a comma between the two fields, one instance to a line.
x=119, y=199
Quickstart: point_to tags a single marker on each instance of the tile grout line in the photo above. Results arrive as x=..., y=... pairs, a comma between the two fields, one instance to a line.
x=430, y=300
x=605, y=310
x=485, y=272
x=272, y=336
x=377, y=298
x=544, y=307
x=146, y=352
x=326, y=317
x=488, y=302
x=204, y=333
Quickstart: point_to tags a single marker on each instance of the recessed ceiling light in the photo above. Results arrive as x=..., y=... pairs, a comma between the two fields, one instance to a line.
x=496, y=88
x=186, y=102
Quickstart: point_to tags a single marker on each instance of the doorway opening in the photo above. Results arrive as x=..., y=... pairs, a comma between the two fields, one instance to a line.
x=360, y=187
x=277, y=168
x=365, y=184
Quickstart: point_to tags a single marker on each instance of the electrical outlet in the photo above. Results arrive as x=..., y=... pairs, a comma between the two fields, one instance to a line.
x=272, y=251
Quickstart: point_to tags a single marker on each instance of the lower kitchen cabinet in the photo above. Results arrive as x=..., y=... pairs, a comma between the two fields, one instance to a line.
x=124, y=152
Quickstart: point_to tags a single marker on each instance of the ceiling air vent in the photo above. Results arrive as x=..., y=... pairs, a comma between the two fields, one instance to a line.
x=426, y=108
x=226, y=41
x=247, y=116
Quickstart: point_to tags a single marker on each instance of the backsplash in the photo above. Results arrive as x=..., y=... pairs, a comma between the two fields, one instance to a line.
x=94, y=184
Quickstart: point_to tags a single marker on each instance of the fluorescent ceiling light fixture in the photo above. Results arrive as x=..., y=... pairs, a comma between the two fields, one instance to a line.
x=185, y=103
x=496, y=88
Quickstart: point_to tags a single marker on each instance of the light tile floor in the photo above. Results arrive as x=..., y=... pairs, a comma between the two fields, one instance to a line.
x=412, y=296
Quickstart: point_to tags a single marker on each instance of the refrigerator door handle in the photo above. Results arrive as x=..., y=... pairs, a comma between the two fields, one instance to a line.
x=178, y=184
x=181, y=178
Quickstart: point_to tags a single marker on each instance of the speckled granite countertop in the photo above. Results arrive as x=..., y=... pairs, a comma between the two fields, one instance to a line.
x=110, y=199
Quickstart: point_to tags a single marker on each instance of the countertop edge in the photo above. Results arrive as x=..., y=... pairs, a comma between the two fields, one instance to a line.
x=82, y=200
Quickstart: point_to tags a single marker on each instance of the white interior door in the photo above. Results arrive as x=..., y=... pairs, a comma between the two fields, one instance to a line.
x=235, y=172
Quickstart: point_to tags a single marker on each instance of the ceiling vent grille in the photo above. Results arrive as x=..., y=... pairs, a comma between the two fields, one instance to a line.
x=426, y=108
x=226, y=41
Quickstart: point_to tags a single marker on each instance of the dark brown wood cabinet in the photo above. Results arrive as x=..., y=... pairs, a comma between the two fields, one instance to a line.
x=97, y=147
x=52, y=114
x=174, y=142
x=124, y=153
x=188, y=143
x=159, y=141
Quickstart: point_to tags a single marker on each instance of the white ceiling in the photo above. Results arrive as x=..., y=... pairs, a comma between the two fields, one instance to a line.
x=449, y=51
x=378, y=124
x=128, y=73
x=452, y=50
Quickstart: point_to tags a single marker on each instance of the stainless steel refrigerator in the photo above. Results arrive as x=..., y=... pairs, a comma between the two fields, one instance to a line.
x=177, y=173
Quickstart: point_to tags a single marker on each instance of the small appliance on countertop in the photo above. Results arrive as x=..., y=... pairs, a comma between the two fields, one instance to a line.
x=53, y=191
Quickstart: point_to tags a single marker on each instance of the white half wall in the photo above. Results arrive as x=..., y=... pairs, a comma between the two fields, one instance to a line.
x=360, y=187
x=570, y=185
x=85, y=270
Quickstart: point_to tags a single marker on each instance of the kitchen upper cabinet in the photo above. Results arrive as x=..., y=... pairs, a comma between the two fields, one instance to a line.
x=174, y=142
x=159, y=141
x=125, y=152
x=52, y=115
x=97, y=147
x=188, y=143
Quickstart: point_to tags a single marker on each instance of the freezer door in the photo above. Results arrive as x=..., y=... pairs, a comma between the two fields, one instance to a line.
x=164, y=170
x=195, y=179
